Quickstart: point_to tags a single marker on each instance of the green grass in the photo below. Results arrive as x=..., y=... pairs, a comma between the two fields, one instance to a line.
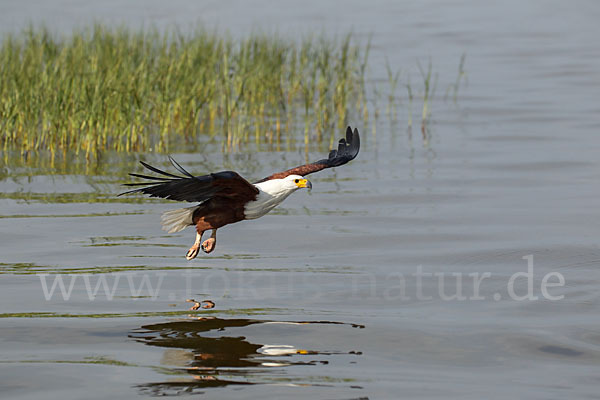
x=116, y=89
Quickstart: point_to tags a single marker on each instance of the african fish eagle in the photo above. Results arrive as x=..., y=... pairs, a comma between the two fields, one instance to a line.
x=225, y=197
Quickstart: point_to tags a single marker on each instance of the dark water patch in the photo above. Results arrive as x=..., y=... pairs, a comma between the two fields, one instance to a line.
x=88, y=360
x=542, y=345
x=133, y=245
x=514, y=138
x=560, y=350
x=105, y=214
x=322, y=270
x=248, y=311
x=95, y=239
x=542, y=166
x=70, y=198
x=35, y=269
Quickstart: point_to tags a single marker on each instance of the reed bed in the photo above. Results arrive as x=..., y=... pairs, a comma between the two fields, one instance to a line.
x=115, y=89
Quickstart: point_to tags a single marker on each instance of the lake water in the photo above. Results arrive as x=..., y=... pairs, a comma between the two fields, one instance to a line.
x=349, y=291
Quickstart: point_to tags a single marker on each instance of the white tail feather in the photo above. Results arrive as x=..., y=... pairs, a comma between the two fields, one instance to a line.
x=176, y=220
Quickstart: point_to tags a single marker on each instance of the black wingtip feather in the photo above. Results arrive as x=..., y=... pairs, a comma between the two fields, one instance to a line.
x=350, y=146
x=197, y=189
x=179, y=167
x=347, y=150
x=154, y=178
x=355, y=143
x=158, y=171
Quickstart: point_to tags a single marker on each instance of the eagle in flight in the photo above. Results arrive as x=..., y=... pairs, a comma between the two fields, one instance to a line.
x=225, y=197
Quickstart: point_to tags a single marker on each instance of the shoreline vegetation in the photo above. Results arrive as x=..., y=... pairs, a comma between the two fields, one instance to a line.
x=122, y=90
x=101, y=90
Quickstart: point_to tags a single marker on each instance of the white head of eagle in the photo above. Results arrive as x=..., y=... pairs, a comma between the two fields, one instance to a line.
x=272, y=192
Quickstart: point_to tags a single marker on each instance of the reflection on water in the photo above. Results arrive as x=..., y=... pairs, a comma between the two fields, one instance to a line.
x=210, y=352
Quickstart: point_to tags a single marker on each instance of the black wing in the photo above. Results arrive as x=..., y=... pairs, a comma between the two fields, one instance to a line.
x=347, y=151
x=225, y=184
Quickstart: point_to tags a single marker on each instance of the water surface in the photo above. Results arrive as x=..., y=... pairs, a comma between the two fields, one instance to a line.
x=321, y=298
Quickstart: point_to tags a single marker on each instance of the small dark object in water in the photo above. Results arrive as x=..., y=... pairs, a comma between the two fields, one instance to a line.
x=206, y=304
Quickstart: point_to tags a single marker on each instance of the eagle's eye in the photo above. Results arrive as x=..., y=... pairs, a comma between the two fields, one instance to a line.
x=297, y=180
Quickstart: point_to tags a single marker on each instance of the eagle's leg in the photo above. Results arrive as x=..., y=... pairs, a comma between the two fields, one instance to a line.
x=193, y=251
x=210, y=243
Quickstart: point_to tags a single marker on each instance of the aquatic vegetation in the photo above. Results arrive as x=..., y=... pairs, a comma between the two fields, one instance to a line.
x=116, y=89
x=410, y=102
x=392, y=86
x=428, y=94
x=70, y=101
x=460, y=77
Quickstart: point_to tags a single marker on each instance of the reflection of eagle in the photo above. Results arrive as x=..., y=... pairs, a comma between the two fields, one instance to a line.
x=209, y=352
x=225, y=197
x=211, y=361
x=214, y=354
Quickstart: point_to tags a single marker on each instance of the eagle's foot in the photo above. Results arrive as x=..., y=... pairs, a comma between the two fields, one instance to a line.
x=193, y=252
x=209, y=245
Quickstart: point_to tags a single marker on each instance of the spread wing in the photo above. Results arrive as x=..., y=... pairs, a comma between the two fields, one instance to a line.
x=347, y=151
x=224, y=184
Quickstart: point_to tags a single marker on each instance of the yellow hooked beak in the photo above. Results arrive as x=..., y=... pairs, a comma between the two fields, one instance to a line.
x=303, y=183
